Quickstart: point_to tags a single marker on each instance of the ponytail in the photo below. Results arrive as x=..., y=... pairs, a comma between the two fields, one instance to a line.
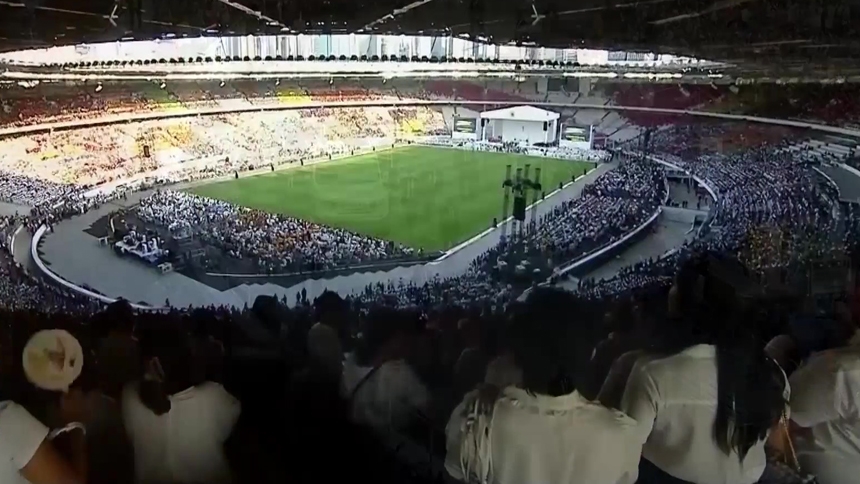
x=749, y=396
x=152, y=391
x=154, y=397
x=168, y=368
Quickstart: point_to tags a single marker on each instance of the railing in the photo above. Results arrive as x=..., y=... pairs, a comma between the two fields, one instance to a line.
x=850, y=168
x=830, y=180
x=608, y=248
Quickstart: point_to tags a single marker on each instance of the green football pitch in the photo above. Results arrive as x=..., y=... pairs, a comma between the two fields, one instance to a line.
x=423, y=197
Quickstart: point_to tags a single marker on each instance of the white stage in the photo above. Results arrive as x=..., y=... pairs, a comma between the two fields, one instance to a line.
x=519, y=124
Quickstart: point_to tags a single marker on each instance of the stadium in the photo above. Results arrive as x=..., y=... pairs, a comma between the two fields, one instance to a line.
x=387, y=237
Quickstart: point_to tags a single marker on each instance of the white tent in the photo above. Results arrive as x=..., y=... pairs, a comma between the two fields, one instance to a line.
x=523, y=124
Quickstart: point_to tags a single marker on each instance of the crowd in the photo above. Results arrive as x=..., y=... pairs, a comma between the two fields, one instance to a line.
x=668, y=373
x=565, y=153
x=20, y=291
x=90, y=156
x=685, y=384
x=771, y=210
x=276, y=243
x=651, y=273
x=617, y=202
x=29, y=192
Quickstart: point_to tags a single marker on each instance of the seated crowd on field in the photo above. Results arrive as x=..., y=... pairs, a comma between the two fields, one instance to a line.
x=276, y=243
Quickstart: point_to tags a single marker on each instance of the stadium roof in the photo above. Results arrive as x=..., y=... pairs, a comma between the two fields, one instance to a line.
x=777, y=35
x=521, y=113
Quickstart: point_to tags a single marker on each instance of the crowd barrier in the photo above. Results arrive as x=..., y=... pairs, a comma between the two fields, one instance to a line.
x=327, y=273
x=850, y=168
x=50, y=127
x=830, y=180
x=630, y=237
x=609, y=249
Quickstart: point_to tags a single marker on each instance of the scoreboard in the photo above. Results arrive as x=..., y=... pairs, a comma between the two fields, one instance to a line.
x=576, y=136
x=576, y=133
x=465, y=125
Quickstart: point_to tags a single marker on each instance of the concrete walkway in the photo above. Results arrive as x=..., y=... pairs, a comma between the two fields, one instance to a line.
x=669, y=235
x=77, y=257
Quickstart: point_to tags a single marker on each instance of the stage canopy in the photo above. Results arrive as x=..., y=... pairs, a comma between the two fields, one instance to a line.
x=521, y=124
x=521, y=113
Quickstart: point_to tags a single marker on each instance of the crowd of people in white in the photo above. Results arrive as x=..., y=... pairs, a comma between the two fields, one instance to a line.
x=278, y=244
x=560, y=152
x=771, y=209
x=614, y=205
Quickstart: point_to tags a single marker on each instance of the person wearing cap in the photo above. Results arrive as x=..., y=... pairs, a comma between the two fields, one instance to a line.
x=52, y=361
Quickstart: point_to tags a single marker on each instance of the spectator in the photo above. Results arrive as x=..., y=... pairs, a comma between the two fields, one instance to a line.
x=824, y=402
x=543, y=430
x=383, y=391
x=707, y=397
x=27, y=452
x=177, y=423
x=627, y=334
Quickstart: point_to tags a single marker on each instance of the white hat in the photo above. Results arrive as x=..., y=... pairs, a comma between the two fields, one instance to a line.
x=53, y=359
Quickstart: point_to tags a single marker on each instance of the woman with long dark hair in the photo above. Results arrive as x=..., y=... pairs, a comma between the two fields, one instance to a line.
x=541, y=429
x=706, y=396
x=176, y=421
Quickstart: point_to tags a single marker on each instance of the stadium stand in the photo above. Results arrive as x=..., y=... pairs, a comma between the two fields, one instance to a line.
x=431, y=367
x=662, y=96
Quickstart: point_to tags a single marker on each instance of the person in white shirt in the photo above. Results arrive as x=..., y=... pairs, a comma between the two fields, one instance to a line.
x=26, y=453
x=824, y=404
x=176, y=423
x=542, y=430
x=706, y=395
x=383, y=390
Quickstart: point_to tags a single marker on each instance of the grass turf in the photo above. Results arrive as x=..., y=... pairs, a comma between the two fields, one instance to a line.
x=430, y=198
